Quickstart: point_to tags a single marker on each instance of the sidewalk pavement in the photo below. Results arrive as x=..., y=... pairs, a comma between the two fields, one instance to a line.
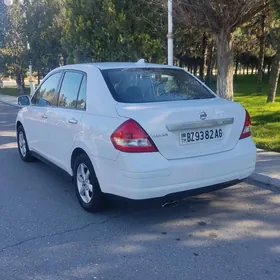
x=10, y=100
x=268, y=163
x=267, y=168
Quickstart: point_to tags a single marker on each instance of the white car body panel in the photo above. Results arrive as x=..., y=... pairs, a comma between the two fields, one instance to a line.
x=63, y=134
x=35, y=127
x=143, y=176
x=174, y=168
x=155, y=118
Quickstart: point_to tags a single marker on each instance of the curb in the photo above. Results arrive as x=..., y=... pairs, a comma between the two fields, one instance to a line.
x=265, y=179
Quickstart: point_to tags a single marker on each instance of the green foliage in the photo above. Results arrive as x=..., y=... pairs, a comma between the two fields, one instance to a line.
x=274, y=39
x=13, y=53
x=111, y=30
x=44, y=33
x=188, y=41
x=3, y=22
x=12, y=91
x=72, y=31
x=265, y=117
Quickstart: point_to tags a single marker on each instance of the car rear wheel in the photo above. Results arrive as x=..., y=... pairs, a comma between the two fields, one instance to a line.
x=23, y=147
x=87, y=187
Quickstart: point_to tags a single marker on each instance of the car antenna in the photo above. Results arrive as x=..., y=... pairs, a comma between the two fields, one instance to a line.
x=141, y=61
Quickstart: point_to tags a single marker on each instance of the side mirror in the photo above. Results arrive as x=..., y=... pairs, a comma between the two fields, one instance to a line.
x=24, y=100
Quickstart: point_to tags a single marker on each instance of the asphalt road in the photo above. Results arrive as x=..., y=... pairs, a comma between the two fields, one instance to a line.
x=44, y=234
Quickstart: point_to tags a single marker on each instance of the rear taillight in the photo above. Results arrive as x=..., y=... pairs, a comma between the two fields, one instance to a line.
x=130, y=137
x=246, y=132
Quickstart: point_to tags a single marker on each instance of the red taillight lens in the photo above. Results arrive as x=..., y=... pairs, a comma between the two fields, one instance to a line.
x=246, y=132
x=130, y=137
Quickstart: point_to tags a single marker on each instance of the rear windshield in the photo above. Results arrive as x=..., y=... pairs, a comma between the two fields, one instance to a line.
x=142, y=85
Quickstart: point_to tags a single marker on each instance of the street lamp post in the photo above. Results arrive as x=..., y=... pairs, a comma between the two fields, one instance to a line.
x=9, y=3
x=170, y=34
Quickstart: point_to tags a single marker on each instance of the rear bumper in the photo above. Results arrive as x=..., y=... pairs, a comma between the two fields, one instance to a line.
x=144, y=176
x=198, y=191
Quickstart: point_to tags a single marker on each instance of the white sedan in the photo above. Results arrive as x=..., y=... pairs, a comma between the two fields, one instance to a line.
x=135, y=130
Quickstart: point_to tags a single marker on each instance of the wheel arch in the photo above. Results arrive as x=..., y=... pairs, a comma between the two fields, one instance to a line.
x=18, y=124
x=76, y=152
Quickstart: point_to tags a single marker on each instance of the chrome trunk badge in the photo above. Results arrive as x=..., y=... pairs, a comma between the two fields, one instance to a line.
x=203, y=116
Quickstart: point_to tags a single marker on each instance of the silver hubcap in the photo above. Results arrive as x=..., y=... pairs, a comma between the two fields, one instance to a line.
x=22, y=144
x=83, y=183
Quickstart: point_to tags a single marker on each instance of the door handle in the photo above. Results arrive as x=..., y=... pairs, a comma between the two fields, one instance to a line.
x=73, y=121
x=44, y=116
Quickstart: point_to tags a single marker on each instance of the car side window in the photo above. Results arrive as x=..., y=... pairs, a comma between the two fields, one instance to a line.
x=81, y=101
x=70, y=89
x=46, y=94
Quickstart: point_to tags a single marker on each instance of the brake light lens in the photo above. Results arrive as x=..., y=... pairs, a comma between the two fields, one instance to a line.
x=246, y=132
x=130, y=137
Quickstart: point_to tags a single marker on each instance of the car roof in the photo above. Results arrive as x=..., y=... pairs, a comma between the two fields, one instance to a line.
x=113, y=65
x=116, y=65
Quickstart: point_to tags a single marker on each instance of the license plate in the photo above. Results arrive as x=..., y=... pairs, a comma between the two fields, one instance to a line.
x=202, y=135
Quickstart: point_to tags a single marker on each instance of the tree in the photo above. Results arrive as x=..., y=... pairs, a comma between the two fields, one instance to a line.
x=3, y=22
x=261, y=37
x=44, y=34
x=221, y=18
x=261, y=25
x=190, y=48
x=111, y=30
x=274, y=38
x=250, y=53
x=3, y=27
x=14, y=51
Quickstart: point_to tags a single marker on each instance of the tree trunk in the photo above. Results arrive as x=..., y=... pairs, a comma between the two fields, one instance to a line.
x=261, y=53
x=248, y=69
x=181, y=62
x=224, y=65
x=274, y=76
x=203, y=65
x=23, y=83
x=269, y=67
x=195, y=68
x=38, y=78
x=20, y=85
x=209, y=62
x=236, y=64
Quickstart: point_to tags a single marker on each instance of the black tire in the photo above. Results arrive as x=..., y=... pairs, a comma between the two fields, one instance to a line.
x=27, y=157
x=97, y=200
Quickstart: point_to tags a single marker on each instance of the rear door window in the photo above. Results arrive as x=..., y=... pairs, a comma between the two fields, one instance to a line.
x=70, y=89
x=81, y=101
x=142, y=85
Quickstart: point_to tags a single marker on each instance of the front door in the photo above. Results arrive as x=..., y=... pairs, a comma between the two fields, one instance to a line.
x=64, y=121
x=36, y=117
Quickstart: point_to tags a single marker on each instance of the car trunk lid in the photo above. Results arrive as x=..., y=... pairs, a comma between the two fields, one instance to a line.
x=184, y=129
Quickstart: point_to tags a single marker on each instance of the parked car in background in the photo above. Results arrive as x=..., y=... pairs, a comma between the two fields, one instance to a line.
x=135, y=130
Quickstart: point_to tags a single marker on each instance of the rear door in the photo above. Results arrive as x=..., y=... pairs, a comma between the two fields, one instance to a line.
x=64, y=121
